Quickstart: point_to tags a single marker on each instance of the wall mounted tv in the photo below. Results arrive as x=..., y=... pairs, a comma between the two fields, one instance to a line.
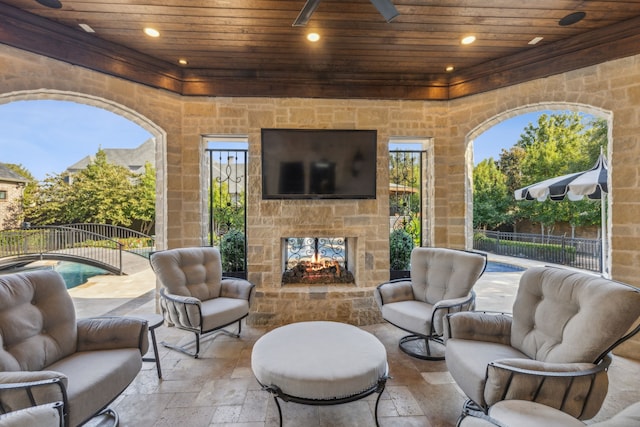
x=319, y=164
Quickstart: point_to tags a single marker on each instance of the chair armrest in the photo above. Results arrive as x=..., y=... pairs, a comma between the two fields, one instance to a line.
x=394, y=291
x=575, y=388
x=449, y=306
x=236, y=288
x=111, y=332
x=25, y=389
x=182, y=311
x=479, y=326
x=179, y=299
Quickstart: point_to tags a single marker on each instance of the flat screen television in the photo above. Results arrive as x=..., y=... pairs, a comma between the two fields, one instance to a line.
x=319, y=164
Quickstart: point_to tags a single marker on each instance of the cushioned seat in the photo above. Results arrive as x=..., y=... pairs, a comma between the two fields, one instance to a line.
x=48, y=356
x=320, y=363
x=319, y=360
x=441, y=283
x=196, y=297
x=555, y=347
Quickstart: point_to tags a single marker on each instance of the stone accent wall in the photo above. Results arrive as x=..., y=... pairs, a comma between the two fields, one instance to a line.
x=611, y=89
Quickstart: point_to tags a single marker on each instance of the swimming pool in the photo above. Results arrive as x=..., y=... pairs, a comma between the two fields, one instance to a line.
x=501, y=267
x=73, y=273
x=76, y=274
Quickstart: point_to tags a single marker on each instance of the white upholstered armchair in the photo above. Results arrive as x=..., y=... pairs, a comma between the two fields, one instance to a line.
x=196, y=297
x=441, y=282
x=48, y=356
x=554, y=348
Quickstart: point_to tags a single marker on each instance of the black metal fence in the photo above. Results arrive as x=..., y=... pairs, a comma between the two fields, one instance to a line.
x=100, y=245
x=574, y=252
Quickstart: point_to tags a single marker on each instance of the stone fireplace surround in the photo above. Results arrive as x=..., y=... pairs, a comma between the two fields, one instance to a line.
x=363, y=222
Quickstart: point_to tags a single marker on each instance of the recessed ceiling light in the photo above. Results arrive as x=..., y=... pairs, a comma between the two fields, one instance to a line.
x=535, y=40
x=449, y=69
x=572, y=18
x=152, y=32
x=313, y=37
x=182, y=61
x=87, y=28
x=54, y=4
x=468, y=40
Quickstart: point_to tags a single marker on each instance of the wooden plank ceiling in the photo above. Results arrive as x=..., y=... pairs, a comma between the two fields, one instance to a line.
x=250, y=48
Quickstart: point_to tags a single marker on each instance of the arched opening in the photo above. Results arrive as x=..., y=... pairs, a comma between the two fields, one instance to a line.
x=157, y=134
x=534, y=112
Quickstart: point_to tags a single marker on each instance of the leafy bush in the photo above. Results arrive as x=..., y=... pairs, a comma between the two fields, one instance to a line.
x=400, y=246
x=232, y=251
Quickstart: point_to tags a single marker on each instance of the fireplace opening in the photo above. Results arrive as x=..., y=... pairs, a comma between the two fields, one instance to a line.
x=316, y=260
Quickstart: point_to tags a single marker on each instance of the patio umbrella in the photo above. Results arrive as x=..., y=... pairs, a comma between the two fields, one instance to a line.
x=591, y=183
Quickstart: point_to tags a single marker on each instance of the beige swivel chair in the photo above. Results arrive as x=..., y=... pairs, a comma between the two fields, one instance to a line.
x=520, y=413
x=553, y=350
x=49, y=356
x=441, y=283
x=196, y=297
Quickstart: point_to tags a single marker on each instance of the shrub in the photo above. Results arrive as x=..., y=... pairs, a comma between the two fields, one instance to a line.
x=400, y=246
x=232, y=251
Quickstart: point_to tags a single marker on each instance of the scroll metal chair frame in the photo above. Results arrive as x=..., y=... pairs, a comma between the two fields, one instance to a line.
x=378, y=388
x=31, y=390
x=190, y=301
x=601, y=365
x=200, y=334
x=471, y=407
x=602, y=362
x=434, y=342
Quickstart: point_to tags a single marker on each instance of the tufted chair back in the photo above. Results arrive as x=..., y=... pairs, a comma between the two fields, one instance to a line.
x=561, y=316
x=38, y=320
x=441, y=274
x=190, y=272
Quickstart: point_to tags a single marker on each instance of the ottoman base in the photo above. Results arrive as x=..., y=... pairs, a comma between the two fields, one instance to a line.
x=277, y=393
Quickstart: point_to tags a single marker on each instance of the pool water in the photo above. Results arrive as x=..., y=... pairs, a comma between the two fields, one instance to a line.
x=500, y=267
x=76, y=274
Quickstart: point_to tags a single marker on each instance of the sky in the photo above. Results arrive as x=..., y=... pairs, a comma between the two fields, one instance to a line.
x=503, y=135
x=47, y=136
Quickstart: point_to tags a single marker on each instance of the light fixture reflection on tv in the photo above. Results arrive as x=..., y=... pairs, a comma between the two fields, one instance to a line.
x=319, y=164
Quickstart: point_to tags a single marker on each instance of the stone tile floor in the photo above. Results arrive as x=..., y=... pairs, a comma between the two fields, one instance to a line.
x=218, y=388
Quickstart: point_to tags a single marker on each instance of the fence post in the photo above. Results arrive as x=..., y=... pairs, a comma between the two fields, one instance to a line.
x=563, y=245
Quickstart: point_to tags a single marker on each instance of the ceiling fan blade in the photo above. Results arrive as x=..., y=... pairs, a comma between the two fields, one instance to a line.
x=305, y=14
x=386, y=9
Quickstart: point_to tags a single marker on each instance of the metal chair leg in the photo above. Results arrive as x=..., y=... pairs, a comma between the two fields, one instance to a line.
x=183, y=349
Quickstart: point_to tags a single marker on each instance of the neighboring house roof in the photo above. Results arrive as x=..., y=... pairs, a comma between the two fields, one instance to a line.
x=133, y=159
x=7, y=175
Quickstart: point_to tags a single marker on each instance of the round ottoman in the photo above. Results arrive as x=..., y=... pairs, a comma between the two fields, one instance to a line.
x=320, y=363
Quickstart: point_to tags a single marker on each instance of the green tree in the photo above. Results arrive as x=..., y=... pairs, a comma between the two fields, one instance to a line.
x=228, y=210
x=51, y=201
x=509, y=165
x=102, y=192
x=491, y=198
x=559, y=144
x=144, y=209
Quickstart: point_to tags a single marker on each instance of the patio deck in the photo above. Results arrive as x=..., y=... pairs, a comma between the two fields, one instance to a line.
x=219, y=389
